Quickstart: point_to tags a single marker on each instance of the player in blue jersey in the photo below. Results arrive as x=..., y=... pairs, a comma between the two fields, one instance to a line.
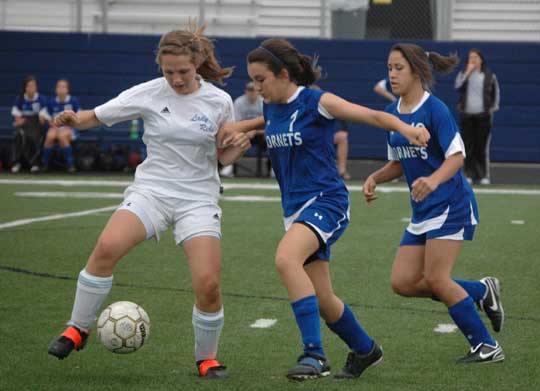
x=299, y=129
x=443, y=204
x=29, y=113
x=63, y=134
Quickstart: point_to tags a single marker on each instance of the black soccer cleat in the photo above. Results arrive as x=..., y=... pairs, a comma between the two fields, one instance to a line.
x=72, y=338
x=491, y=303
x=356, y=363
x=483, y=354
x=309, y=366
x=211, y=370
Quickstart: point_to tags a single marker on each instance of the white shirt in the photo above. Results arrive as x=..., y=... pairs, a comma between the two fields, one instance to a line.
x=180, y=136
x=244, y=109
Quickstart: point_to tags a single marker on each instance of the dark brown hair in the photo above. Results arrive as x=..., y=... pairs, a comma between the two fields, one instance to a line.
x=193, y=43
x=481, y=55
x=280, y=53
x=419, y=61
x=27, y=80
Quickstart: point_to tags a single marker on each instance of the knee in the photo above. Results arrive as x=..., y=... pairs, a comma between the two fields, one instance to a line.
x=208, y=289
x=107, y=251
x=402, y=286
x=283, y=262
x=49, y=141
x=436, y=282
x=64, y=141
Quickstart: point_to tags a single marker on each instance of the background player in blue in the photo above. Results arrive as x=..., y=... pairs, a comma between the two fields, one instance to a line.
x=299, y=134
x=30, y=114
x=64, y=134
x=443, y=203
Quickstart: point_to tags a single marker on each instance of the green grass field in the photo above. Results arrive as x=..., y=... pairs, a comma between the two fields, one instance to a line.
x=39, y=263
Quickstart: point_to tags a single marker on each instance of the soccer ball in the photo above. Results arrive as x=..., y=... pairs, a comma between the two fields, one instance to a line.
x=123, y=327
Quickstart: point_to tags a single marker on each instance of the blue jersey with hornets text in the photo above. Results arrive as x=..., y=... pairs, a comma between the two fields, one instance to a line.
x=56, y=107
x=453, y=202
x=25, y=107
x=300, y=146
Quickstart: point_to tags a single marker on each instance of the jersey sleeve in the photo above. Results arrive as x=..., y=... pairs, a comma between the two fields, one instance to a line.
x=43, y=111
x=75, y=104
x=126, y=106
x=228, y=113
x=447, y=131
x=390, y=153
x=16, y=109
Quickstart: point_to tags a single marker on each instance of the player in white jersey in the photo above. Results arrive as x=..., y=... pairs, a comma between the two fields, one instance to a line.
x=176, y=186
x=299, y=129
x=444, y=208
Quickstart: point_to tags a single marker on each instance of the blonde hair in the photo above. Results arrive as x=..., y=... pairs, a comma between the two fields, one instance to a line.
x=193, y=43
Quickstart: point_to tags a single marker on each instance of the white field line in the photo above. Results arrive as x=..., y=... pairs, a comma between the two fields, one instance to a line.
x=246, y=186
x=263, y=323
x=56, y=217
x=97, y=195
x=68, y=194
x=445, y=328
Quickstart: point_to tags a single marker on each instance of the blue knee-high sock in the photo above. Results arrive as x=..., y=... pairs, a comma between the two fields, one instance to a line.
x=306, y=311
x=474, y=288
x=47, y=152
x=467, y=319
x=349, y=330
x=68, y=153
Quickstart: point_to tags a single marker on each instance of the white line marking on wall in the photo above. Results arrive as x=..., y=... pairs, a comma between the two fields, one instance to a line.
x=263, y=323
x=56, y=217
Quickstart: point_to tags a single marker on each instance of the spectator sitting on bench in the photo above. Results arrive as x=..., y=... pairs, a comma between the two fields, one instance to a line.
x=30, y=114
x=63, y=134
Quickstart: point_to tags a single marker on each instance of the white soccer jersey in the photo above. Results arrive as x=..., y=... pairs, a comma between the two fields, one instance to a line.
x=180, y=136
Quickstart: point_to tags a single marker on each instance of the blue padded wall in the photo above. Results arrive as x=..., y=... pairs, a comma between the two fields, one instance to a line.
x=100, y=66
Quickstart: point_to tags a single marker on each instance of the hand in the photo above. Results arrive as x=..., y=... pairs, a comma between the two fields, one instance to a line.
x=422, y=187
x=239, y=140
x=470, y=68
x=19, y=121
x=226, y=133
x=66, y=117
x=369, y=190
x=418, y=136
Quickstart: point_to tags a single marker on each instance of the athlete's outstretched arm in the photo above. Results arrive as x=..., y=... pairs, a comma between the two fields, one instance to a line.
x=391, y=170
x=347, y=111
x=82, y=120
x=424, y=186
x=227, y=130
x=239, y=144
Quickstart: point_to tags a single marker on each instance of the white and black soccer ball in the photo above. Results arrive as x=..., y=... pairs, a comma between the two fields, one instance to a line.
x=123, y=327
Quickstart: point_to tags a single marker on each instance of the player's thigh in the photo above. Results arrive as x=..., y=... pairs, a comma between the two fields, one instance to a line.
x=408, y=268
x=204, y=259
x=297, y=245
x=441, y=255
x=123, y=231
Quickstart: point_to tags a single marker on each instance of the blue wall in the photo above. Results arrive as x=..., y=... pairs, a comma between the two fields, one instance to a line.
x=101, y=66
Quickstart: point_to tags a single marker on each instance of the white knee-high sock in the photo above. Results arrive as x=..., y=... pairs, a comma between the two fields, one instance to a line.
x=207, y=328
x=91, y=292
